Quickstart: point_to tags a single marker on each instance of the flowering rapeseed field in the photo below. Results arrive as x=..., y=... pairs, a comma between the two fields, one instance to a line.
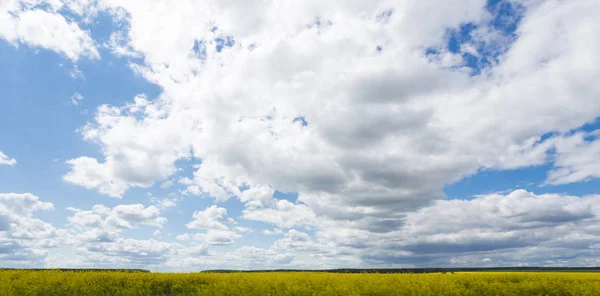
x=17, y=282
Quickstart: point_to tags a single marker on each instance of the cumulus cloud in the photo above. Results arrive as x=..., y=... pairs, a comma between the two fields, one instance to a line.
x=577, y=158
x=130, y=252
x=216, y=224
x=217, y=237
x=24, y=240
x=119, y=217
x=501, y=227
x=163, y=203
x=212, y=217
x=26, y=23
x=283, y=214
x=4, y=159
x=133, y=162
x=96, y=236
x=22, y=204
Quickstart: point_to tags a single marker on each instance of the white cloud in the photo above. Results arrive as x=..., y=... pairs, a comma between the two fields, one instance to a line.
x=116, y=218
x=216, y=224
x=199, y=250
x=577, y=159
x=212, y=217
x=95, y=236
x=75, y=98
x=283, y=214
x=212, y=237
x=163, y=203
x=21, y=23
x=167, y=203
x=131, y=157
x=4, y=159
x=275, y=231
x=217, y=237
x=167, y=184
x=243, y=229
x=22, y=204
x=298, y=241
x=24, y=239
x=130, y=252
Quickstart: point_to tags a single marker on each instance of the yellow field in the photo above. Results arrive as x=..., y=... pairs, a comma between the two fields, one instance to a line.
x=461, y=283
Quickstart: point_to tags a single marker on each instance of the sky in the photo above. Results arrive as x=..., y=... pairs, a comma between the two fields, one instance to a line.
x=192, y=135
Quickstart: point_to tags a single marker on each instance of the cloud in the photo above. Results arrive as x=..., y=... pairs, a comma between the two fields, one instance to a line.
x=116, y=218
x=4, y=159
x=24, y=240
x=167, y=184
x=75, y=98
x=212, y=237
x=130, y=252
x=577, y=159
x=283, y=214
x=216, y=224
x=128, y=163
x=96, y=237
x=45, y=29
x=242, y=229
x=217, y=237
x=491, y=226
x=199, y=250
x=298, y=241
x=22, y=204
x=275, y=231
x=212, y=217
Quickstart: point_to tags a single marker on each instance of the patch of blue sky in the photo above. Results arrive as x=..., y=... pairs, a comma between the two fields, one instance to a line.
x=301, y=120
x=505, y=17
x=102, y=26
x=530, y=178
x=289, y=196
x=490, y=181
x=223, y=42
x=199, y=49
x=590, y=126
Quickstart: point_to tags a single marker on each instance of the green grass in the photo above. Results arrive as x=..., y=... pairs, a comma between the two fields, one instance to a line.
x=18, y=282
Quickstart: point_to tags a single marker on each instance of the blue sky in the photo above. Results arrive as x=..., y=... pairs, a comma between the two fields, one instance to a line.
x=191, y=137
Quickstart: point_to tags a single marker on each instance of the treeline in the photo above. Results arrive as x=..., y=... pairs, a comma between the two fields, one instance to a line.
x=417, y=270
x=80, y=269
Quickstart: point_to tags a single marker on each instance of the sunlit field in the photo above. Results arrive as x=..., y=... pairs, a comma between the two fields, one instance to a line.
x=297, y=283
